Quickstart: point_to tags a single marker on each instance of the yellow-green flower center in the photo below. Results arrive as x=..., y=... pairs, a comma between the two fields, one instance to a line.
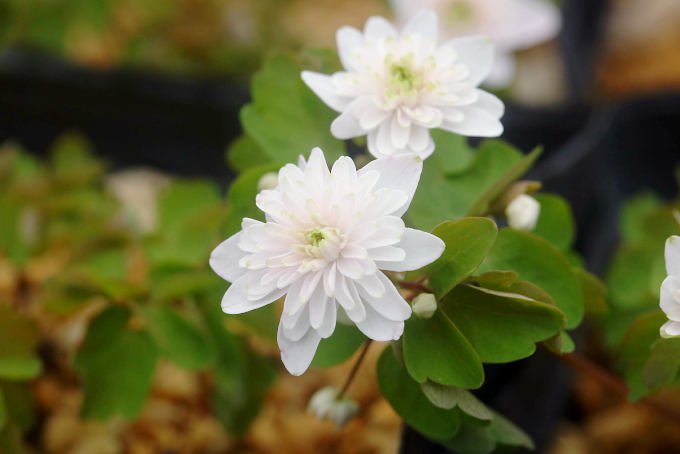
x=315, y=237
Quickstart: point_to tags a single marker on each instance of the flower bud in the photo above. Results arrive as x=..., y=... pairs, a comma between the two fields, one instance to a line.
x=522, y=213
x=327, y=403
x=424, y=305
x=269, y=180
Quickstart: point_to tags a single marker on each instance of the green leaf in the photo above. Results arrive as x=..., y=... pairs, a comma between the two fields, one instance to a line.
x=190, y=213
x=468, y=241
x=505, y=432
x=663, y=365
x=178, y=340
x=168, y=283
x=241, y=197
x=441, y=196
x=448, y=397
x=408, y=400
x=19, y=404
x=500, y=326
x=633, y=214
x=244, y=154
x=286, y=119
x=339, y=347
x=242, y=377
x=630, y=289
x=512, y=173
x=20, y=368
x=18, y=343
x=116, y=366
x=3, y=411
x=540, y=263
x=434, y=349
x=184, y=200
x=634, y=351
x=594, y=293
x=555, y=221
x=453, y=154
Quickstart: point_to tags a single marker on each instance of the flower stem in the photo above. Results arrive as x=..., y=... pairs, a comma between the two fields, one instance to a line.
x=355, y=369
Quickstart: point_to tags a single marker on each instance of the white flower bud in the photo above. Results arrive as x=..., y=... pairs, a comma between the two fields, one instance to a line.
x=269, y=180
x=424, y=305
x=327, y=403
x=522, y=212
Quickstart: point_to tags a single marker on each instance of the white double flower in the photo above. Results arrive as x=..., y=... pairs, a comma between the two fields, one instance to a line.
x=396, y=86
x=327, y=236
x=670, y=289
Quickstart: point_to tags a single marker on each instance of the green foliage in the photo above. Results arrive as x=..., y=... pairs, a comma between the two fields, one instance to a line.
x=339, y=347
x=468, y=242
x=18, y=343
x=116, y=365
x=501, y=326
x=408, y=400
x=241, y=377
x=178, y=340
x=434, y=349
x=189, y=216
x=634, y=351
x=555, y=221
x=241, y=197
x=451, y=196
x=631, y=325
x=539, y=262
x=286, y=119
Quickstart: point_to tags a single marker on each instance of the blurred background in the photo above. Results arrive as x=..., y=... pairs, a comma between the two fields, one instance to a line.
x=153, y=89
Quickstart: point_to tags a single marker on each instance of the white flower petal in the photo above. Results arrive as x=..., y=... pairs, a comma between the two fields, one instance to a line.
x=330, y=319
x=489, y=103
x=295, y=326
x=322, y=85
x=670, y=329
x=503, y=70
x=397, y=172
x=318, y=304
x=672, y=255
x=391, y=305
x=670, y=298
x=378, y=28
x=298, y=355
x=476, y=53
x=348, y=40
x=225, y=257
x=540, y=21
x=236, y=299
x=387, y=253
x=476, y=122
x=372, y=285
x=421, y=249
x=424, y=24
x=346, y=126
x=378, y=328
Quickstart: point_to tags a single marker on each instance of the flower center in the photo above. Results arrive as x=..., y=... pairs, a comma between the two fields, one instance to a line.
x=324, y=243
x=402, y=80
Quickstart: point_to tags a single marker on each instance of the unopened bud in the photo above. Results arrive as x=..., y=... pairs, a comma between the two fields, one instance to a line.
x=522, y=213
x=269, y=180
x=327, y=403
x=424, y=305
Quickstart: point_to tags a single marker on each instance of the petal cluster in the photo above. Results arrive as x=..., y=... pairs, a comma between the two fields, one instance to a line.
x=328, y=234
x=397, y=85
x=670, y=289
x=512, y=25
